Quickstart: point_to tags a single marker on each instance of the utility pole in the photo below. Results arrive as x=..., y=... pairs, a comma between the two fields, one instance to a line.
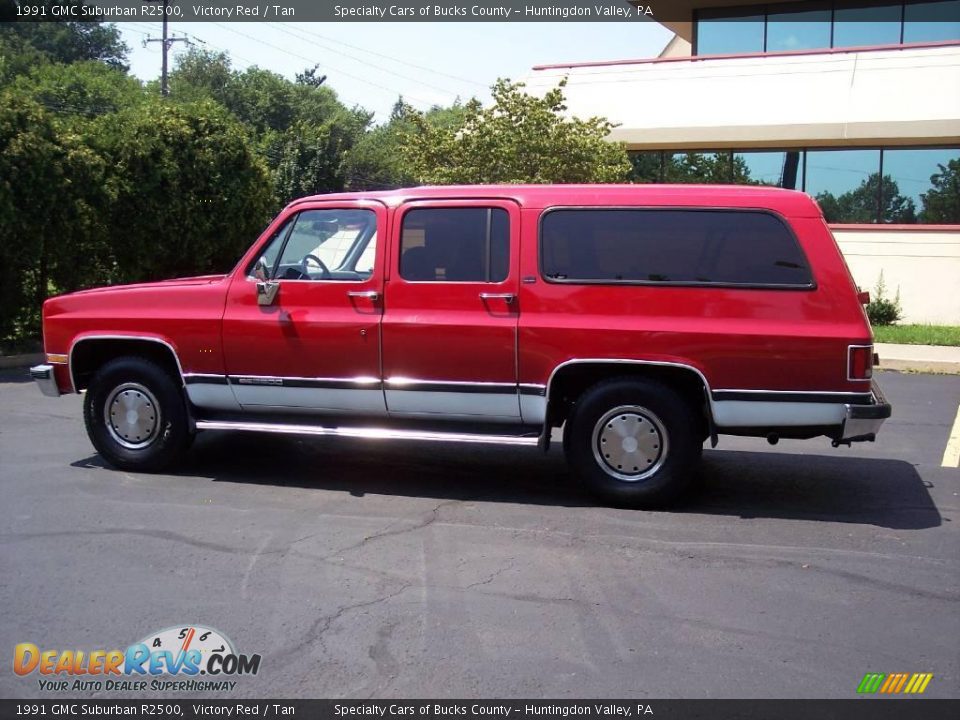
x=166, y=44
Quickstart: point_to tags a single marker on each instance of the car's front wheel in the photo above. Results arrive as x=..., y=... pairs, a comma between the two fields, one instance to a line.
x=136, y=415
x=634, y=442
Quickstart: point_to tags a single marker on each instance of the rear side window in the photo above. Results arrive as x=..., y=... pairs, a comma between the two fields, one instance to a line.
x=455, y=245
x=684, y=247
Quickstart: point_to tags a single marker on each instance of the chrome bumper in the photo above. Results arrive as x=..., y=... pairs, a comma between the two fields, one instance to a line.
x=862, y=422
x=45, y=379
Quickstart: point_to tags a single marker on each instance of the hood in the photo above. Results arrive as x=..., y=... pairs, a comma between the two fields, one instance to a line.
x=174, y=282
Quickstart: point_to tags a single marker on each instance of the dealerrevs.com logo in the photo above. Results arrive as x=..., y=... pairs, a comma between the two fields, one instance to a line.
x=168, y=660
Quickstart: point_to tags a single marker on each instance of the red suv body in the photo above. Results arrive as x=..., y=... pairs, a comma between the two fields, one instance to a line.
x=642, y=319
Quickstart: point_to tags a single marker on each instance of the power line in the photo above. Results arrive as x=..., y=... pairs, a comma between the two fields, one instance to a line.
x=392, y=91
x=229, y=53
x=390, y=57
x=290, y=31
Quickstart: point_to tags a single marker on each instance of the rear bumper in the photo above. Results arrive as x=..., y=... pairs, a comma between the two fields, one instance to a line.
x=44, y=376
x=862, y=422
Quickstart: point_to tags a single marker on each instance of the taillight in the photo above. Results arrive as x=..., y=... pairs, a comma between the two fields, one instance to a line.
x=859, y=362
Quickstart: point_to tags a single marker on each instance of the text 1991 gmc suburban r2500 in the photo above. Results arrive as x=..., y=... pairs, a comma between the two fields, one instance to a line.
x=644, y=320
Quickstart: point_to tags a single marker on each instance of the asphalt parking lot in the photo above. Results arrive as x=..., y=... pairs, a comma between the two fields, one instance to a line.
x=362, y=570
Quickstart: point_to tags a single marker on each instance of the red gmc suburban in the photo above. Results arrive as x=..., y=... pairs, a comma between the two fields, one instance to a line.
x=643, y=319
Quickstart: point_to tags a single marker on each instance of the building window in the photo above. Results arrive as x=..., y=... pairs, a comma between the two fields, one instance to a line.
x=779, y=169
x=647, y=166
x=859, y=24
x=805, y=29
x=730, y=31
x=846, y=183
x=926, y=180
x=888, y=185
x=697, y=167
x=931, y=21
x=816, y=24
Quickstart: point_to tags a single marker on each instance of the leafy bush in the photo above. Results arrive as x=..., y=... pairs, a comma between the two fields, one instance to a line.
x=881, y=310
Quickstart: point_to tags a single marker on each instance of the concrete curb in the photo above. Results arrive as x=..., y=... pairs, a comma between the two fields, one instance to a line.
x=919, y=358
x=919, y=366
x=17, y=361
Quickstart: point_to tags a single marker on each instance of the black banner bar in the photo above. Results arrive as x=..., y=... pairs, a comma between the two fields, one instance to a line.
x=339, y=11
x=201, y=709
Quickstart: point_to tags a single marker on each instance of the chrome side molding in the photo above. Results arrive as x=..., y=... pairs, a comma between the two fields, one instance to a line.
x=369, y=433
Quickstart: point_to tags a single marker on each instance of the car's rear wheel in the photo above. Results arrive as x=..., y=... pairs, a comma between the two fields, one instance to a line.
x=136, y=416
x=634, y=442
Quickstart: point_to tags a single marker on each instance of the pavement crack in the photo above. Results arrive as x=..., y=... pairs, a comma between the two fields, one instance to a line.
x=141, y=532
x=316, y=632
x=493, y=576
x=429, y=518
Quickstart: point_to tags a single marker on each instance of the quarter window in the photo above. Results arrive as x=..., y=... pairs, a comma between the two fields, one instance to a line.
x=683, y=247
x=455, y=245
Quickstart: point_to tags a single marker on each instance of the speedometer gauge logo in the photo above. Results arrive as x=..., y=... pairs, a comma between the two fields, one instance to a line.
x=202, y=642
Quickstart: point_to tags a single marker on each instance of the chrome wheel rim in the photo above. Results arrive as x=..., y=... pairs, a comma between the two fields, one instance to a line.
x=630, y=443
x=132, y=416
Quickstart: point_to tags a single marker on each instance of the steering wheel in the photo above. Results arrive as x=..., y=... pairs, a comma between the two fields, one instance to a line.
x=324, y=270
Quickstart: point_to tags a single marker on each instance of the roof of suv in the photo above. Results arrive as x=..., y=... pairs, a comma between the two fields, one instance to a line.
x=786, y=202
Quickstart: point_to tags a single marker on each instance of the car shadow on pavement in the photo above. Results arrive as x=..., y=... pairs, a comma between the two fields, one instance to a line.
x=15, y=375
x=882, y=492
x=836, y=488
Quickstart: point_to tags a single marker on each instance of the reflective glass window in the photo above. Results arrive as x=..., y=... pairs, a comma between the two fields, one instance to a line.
x=922, y=186
x=845, y=183
x=931, y=21
x=805, y=29
x=727, y=32
x=862, y=24
x=697, y=167
x=781, y=169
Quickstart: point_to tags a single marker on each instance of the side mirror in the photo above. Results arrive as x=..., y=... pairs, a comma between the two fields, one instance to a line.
x=260, y=271
x=267, y=291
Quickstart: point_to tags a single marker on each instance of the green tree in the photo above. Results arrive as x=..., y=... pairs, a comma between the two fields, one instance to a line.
x=377, y=161
x=520, y=138
x=53, y=191
x=941, y=203
x=199, y=74
x=80, y=90
x=65, y=41
x=190, y=192
x=861, y=204
x=301, y=129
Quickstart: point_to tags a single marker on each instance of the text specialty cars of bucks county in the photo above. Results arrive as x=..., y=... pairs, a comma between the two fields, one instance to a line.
x=643, y=320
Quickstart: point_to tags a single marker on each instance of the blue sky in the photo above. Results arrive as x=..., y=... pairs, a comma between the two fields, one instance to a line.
x=370, y=64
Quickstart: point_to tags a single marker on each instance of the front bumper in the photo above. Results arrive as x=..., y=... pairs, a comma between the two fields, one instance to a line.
x=44, y=376
x=862, y=422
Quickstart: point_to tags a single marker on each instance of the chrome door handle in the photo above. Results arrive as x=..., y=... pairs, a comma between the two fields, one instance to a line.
x=507, y=297
x=369, y=294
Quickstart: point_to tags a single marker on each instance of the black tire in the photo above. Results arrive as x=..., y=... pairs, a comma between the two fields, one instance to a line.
x=157, y=435
x=654, y=437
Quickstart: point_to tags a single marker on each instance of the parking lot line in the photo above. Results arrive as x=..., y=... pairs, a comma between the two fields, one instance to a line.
x=951, y=454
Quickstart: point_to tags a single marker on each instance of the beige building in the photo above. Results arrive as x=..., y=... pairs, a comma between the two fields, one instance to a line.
x=856, y=103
